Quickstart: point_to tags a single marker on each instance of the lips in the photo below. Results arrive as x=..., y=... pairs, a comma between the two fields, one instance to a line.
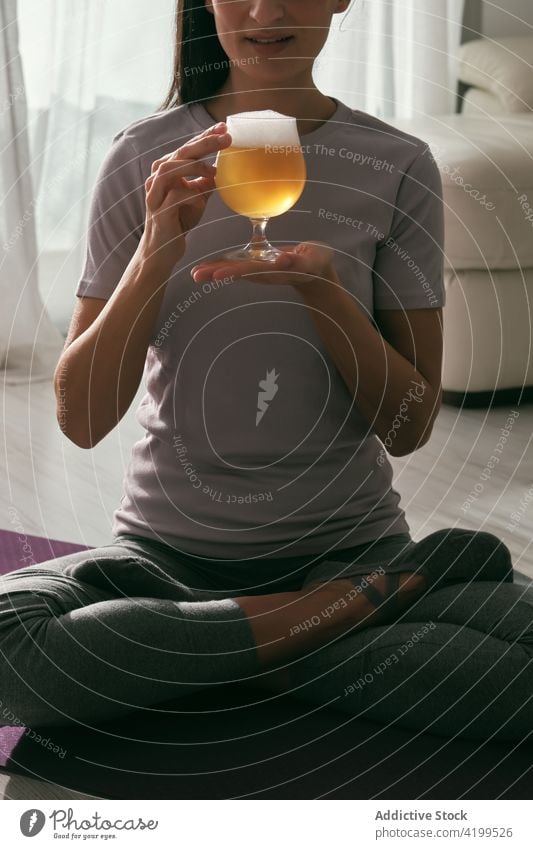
x=270, y=39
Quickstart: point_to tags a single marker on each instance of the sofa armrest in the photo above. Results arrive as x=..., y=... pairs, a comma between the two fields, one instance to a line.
x=503, y=67
x=480, y=102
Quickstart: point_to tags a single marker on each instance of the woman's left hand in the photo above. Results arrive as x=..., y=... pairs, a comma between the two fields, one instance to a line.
x=306, y=266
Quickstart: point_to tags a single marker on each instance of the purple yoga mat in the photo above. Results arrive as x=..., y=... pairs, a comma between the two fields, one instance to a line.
x=15, y=546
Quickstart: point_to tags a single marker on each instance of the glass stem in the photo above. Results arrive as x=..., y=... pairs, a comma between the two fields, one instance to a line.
x=259, y=241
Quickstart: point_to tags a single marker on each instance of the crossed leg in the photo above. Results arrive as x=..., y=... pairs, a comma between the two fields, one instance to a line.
x=460, y=662
x=74, y=651
x=286, y=625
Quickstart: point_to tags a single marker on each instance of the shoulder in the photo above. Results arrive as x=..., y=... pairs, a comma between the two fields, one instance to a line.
x=157, y=133
x=128, y=159
x=389, y=143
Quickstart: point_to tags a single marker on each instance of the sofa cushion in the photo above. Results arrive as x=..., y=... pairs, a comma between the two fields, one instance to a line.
x=504, y=67
x=478, y=101
x=487, y=331
x=487, y=172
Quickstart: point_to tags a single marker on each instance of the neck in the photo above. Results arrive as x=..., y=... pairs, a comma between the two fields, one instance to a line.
x=301, y=99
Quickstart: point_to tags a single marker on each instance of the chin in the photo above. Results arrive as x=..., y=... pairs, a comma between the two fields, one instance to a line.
x=272, y=72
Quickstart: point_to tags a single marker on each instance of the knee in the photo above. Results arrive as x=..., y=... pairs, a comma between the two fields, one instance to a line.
x=20, y=704
x=495, y=547
x=491, y=539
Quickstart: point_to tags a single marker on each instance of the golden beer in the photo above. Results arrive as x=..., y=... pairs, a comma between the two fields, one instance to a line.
x=261, y=182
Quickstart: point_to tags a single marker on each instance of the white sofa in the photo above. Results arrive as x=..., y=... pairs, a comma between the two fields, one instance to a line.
x=487, y=169
x=485, y=155
x=499, y=73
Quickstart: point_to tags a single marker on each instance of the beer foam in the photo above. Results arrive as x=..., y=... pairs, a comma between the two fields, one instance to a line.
x=256, y=129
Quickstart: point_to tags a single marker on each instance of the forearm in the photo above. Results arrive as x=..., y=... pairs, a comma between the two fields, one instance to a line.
x=99, y=373
x=388, y=390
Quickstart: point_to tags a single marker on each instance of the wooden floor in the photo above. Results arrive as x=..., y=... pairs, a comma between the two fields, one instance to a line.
x=17, y=787
x=58, y=490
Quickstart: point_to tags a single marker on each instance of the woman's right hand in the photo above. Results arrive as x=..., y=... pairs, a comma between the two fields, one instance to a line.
x=174, y=205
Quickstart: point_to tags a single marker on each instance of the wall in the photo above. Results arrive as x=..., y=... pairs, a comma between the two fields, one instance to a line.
x=472, y=20
x=498, y=18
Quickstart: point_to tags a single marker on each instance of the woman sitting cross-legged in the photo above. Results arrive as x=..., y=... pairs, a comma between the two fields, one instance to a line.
x=259, y=537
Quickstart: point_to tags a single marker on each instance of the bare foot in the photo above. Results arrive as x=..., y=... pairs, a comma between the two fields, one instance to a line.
x=287, y=625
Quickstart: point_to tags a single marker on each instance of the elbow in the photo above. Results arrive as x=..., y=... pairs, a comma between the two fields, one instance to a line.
x=79, y=437
x=84, y=442
x=80, y=440
x=417, y=440
x=405, y=450
x=400, y=452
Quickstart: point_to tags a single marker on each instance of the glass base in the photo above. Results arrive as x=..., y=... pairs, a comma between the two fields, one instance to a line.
x=253, y=252
x=258, y=248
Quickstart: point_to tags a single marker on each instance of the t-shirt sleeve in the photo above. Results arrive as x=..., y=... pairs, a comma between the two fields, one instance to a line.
x=116, y=219
x=409, y=265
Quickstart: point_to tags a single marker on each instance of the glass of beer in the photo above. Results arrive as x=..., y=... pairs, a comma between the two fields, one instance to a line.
x=261, y=174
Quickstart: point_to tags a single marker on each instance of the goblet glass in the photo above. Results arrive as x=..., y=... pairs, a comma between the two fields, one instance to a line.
x=261, y=174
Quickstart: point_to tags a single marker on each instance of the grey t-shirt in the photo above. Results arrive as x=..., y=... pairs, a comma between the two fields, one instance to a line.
x=252, y=444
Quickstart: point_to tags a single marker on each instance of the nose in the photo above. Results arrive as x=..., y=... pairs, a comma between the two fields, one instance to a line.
x=265, y=12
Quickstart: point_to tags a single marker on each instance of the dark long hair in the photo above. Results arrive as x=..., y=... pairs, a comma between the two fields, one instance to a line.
x=201, y=65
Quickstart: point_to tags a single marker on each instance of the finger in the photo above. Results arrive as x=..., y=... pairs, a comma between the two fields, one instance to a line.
x=204, y=145
x=184, y=167
x=184, y=175
x=253, y=265
x=270, y=278
x=288, y=249
x=154, y=192
x=193, y=197
x=161, y=167
x=201, y=185
x=245, y=266
x=241, y=268
x=217, y=130
x=158, y=185
x=199, y=188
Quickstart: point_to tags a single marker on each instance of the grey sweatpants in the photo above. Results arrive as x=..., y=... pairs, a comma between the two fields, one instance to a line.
x=95, y=634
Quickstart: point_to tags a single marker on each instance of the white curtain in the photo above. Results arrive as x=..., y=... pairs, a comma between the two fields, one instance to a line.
x=91, y=67
x=29, y=342
x=394, y=58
